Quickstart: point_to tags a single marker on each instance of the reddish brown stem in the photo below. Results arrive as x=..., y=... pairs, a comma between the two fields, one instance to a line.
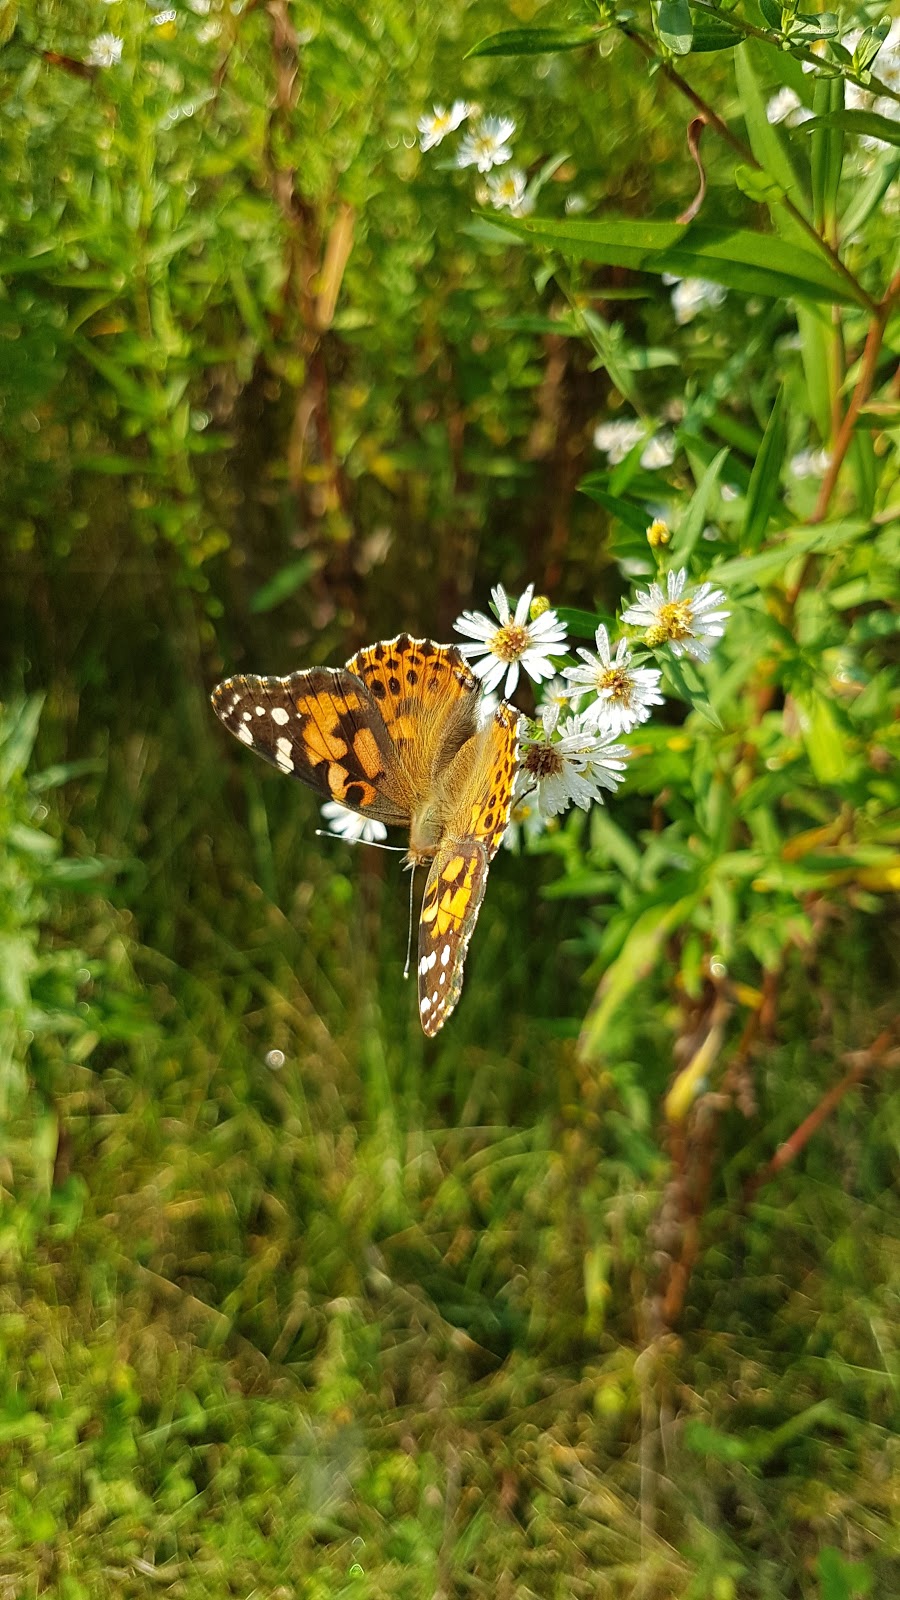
x=799, y=1139
x=858, y=399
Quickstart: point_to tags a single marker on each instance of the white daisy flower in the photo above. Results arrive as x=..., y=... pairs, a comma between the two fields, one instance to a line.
x=435, y=125
x=557, y=693
x=809, y=464
x=691, y=295
x=105, y=50
x=517, y=641
x=616, y=439
x=659, y=451
x=486, y=146
x=571, y=763
x=506, y=190
x=786, y=106
x=685, y=618
x=350, y=826
x=624, y=693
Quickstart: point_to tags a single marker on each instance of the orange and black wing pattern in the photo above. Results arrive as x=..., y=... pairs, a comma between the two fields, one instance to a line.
x=323, y=727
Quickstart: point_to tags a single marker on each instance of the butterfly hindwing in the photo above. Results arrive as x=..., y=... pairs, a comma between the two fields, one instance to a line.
x=323, y=727
x=457, y=878
x=454, y=891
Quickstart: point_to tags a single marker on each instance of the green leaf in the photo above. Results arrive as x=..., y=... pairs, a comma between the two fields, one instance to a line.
x=868, y=46
x=18, y=731
x=757, y=184
x=635, y=517
x=823, y=737
x=754, y=263
x=695, y=519
x=818, y=338
x=609, y=345
x=867, y=197
x=535, y=41
x=284, y=583
x=635, y=961
x=858, y=122
x=680, y=677
x=9, y=15
x=675, y=25
x=796, y=541
x=827, y=153
x=712, y=33
x=766, y=142
x=765, y=479
x=581, y=624
x=842, y=1579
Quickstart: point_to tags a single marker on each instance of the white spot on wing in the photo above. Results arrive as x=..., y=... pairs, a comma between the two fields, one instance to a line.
x=424, y=1003
x=245, y=735
x=445, y=955
x=280, y=716
x=260, y=711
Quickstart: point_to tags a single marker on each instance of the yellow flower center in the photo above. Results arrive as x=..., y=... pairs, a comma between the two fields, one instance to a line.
x=616, y=682
x=675, y=621
x=510, y=642
x=441, y=124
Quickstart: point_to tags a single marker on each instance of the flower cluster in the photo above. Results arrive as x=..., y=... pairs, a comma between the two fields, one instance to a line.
x=485, y=146
x=572, y=751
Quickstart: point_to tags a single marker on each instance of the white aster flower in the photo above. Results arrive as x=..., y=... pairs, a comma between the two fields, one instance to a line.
x=684, y=618
x=659, y=451
x=571, y=763
x=486, y=146
x=624, y=693
x=350, y=826
x=691, y=295
x=435, y=125
x=786, y=106
x=105, y=50
x=616, y=439
x=557, y=693
x=809, y=464
x=506, y=191
x=517, y=641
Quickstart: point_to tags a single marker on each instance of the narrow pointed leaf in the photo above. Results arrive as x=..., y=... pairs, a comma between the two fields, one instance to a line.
x=534, y=41
x=766, y=476
x=754, y=263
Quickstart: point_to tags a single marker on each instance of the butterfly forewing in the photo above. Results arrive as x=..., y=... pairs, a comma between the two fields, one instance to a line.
x=323, y=727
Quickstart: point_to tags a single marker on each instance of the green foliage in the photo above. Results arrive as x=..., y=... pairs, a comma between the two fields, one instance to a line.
x=596, y=1296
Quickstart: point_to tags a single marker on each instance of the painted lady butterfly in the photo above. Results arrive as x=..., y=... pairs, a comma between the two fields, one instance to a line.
x=395, y=735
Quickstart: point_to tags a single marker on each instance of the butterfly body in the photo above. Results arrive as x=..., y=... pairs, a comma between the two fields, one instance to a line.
x=396, y=736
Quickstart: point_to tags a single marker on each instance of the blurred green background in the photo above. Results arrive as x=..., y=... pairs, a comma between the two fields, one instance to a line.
x=293, y=1303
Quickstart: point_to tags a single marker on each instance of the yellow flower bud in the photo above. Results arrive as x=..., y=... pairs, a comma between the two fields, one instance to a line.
x=539, y=605
x=658, y=533
x=656, y=635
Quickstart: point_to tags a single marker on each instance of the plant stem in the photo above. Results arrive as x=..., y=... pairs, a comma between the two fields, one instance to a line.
x=858, y=398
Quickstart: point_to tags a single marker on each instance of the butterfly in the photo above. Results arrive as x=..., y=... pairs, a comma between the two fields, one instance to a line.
x=396, y=735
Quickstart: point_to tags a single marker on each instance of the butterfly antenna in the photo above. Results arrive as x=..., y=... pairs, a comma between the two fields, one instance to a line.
x=324, y=833
x=412, y=879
